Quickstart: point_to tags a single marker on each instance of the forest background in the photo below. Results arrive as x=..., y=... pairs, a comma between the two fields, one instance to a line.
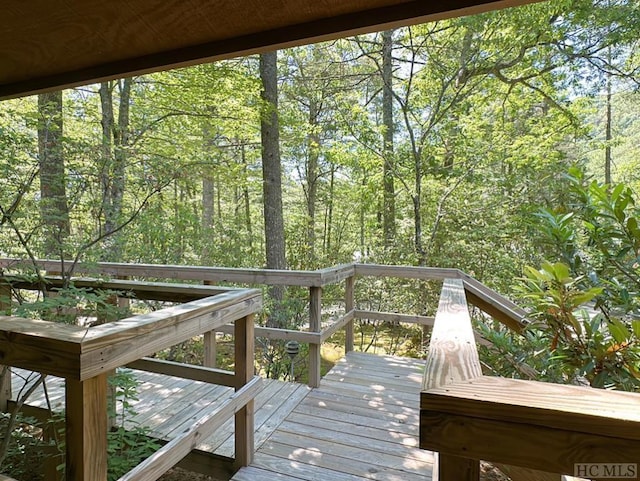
x=504, y=144
x=468, y=143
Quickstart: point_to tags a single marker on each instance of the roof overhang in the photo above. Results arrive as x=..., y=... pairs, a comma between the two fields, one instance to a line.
x=52, y=44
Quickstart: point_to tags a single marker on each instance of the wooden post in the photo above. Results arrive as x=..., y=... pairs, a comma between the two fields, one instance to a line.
x=86, y=429
x=452, y=357
x=5, y=371
x=453, y=468
x=123, y=302
x=349, y=305
x=210, y=347
x=244, y=371
x=315, y=324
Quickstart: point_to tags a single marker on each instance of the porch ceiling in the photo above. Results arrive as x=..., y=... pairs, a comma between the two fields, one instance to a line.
x=49, y=44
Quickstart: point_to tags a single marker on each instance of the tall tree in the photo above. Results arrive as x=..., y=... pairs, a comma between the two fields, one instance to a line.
x=54, y=209
x=388, y=209
x=271, y=168
x=115, y=144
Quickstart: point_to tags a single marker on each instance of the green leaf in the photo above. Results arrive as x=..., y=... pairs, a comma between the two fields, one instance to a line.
x=635, y=325
x=618, y=331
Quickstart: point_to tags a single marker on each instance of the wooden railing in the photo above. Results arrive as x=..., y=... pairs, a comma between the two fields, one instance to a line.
x=479, y=295
x=529, y=429
x=85, y=356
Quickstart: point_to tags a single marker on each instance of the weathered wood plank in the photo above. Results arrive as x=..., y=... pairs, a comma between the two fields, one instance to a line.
x=342, y=457
x=406, y=272
x=394, y=317
x=244, y=370
x=42, y=346
x=172, y=452
x=86, y=429
x=125, y=341
x=455, y=468
x=195, y=373
x=494, y=304
x=521, y=444
x=281, y=334
x=452, y=357
x=452, y=350
x=252, y=473
x=338, y=324
x=349, y=307
x=195, y=273
x=159, y=291
x=594, y=411
x=315, y=325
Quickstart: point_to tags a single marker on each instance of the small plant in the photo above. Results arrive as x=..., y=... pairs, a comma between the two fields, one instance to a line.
x=127, y=445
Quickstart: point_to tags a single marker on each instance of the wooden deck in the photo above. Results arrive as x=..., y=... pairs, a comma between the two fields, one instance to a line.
x=361, y=423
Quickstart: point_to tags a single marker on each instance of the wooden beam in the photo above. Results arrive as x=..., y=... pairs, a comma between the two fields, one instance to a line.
x=452, y=351
x=452, y=357
x=185, y=371
x=406, y=272
x=111, y=345
x=42, y=346
x=315, y=325
x=282, y=334
x=338, y=324
x=285, y=27
x=521, y=444
x=5, y=370
x=455, y=468
x=394, y=317
x=176, y=449
x=244, y=370
x=86, y=429
x=349, y=308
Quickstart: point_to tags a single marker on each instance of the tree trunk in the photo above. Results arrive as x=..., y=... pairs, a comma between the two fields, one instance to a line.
x=115, y=142
x=271, y=169
x=247, y=203
x=313, y=147
x=54, y=208
x=207, y=217
x=388, y=209
x=607, y=148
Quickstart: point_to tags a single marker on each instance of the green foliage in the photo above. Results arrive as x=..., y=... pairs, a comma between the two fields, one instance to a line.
x=28, y=448
x=127, y=444
x=584, y=307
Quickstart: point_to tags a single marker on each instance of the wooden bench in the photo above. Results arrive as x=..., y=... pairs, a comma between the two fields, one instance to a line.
x=468, y=417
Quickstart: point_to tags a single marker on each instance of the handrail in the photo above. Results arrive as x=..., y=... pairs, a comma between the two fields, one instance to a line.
x=486, y=299
x=85, y=356
x=521, y=426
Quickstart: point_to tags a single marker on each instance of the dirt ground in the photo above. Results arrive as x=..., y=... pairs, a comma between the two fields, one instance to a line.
x=177, y=474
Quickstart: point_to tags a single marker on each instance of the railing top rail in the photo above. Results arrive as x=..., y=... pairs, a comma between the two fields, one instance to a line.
x=407, y=272
x=83, y=352
x=453, y=355
x=300, y=278
x=478, y=294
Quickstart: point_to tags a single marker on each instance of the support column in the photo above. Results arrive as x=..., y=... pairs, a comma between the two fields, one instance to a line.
x=86, y=429
x=349, y=305
x=210, y=347
x=454, y=468
x=315, y=324
x=5, y=371
x=244, y=372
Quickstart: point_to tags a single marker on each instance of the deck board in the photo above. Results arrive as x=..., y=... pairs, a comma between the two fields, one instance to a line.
x=361, y=423
x=356, y=426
